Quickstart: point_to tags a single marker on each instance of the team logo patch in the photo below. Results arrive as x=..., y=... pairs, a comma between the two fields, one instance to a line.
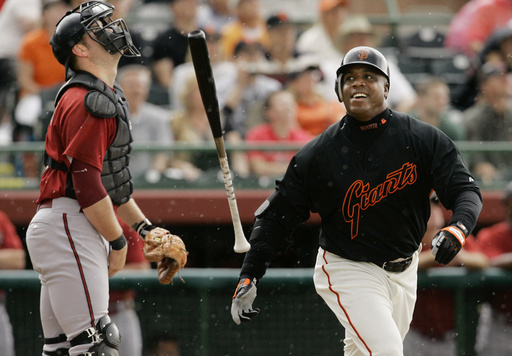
x=360, y=196
x=363, y=54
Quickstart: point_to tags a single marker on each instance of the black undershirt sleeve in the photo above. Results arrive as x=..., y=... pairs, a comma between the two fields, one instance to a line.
x=270, y=236
x=466, y=209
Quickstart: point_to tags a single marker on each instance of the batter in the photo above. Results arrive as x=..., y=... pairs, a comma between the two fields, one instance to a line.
x=369, y=177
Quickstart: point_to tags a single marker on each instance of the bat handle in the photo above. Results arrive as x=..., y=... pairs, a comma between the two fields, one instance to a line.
x=241, y=243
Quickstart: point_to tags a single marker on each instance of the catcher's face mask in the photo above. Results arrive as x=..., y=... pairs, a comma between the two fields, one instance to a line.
x=96, y=18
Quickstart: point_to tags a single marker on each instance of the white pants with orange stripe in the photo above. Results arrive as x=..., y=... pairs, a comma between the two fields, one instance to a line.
x=374, y=306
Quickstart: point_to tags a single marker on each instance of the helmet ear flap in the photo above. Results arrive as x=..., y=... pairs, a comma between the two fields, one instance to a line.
x=338, y=86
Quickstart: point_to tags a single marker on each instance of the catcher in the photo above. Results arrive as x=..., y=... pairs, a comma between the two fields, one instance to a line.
x=75, y=240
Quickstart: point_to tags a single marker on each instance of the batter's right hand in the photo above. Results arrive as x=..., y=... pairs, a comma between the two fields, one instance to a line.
x=241, y=306
x=116, y=260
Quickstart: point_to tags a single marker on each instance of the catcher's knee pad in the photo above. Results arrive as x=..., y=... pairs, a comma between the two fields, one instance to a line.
x=105, y=336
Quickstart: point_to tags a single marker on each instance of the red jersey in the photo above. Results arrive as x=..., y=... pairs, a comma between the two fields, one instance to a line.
x=263, y=134
x=496, y=240
x=8, y=236
x=74, y=132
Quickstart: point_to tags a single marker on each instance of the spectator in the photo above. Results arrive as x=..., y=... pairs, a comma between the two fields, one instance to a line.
x=320, y=38
x=170, y=48
x=490, y=119
x=282, y=55
x=432, y=329
x=190, y=125
x=242, y=108
x=314, y=112
x=433, y=107
x=356, y=31
x=497, y=49
x=248, y=26
x=215, y=14
x=16, y=19
x=39, y=75
x=12, y=256
x=151, y=124
x=496, y=243
x=223, y=70
x=280, y=111
x=472, y=25
x=122, y=302
x=38, y=69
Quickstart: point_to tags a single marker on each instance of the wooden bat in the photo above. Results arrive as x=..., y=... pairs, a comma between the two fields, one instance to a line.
x=206, y=82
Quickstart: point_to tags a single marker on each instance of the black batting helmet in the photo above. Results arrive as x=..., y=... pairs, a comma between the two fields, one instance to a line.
x=95, y=19
x=361, y=55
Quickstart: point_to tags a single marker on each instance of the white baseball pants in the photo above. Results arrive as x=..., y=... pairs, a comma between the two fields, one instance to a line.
x=374, y=306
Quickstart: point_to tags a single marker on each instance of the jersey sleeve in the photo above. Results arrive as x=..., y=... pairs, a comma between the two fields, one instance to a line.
x=454, y=185
x=449, y=172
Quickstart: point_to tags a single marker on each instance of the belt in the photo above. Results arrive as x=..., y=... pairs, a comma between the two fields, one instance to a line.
x=46, y=204
x=397, y=265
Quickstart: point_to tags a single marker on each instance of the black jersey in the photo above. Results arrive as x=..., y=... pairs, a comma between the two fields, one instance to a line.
x=370, y=183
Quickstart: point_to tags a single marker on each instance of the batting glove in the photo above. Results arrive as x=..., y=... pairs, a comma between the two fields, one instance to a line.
x=448, y=242
x=241, y=306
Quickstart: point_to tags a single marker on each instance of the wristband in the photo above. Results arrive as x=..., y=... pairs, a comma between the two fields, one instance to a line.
x=143, y=227
x=455, y=231
x=463, y=228
x=118, y=243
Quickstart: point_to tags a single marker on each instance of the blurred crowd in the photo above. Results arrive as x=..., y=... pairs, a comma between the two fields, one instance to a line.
x=456, y=79
x=275, y=84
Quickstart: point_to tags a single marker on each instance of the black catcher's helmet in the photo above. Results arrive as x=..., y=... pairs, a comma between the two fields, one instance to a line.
x=361, y=55
x=95, y=19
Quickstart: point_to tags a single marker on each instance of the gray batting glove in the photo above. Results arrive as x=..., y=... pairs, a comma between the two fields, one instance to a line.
x=241, y=306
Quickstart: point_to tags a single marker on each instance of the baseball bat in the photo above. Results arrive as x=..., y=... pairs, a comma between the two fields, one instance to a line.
x=206, y=82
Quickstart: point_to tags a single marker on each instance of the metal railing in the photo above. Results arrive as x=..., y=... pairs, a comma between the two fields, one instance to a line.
x=467, y=149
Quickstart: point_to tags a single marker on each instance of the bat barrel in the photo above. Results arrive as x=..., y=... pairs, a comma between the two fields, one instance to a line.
x=205, y=79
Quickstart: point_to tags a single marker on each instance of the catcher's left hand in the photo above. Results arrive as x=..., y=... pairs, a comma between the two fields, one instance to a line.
x=168, y=250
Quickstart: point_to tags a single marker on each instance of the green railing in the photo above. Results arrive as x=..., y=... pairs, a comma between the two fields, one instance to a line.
x=293, y=320
x=7, y=181
x=466, y=147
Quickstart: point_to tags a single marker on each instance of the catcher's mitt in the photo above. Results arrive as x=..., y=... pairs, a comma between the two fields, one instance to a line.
x=168, y=250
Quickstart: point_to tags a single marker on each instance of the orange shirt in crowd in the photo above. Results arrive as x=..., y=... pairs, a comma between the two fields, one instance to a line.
x=37, y=50
x=233, y=33
x=315, y=118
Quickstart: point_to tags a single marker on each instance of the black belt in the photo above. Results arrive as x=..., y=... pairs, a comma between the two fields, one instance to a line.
x=397, y=266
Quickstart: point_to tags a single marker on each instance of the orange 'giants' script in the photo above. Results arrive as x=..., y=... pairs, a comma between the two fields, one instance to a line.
x=360, y=197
